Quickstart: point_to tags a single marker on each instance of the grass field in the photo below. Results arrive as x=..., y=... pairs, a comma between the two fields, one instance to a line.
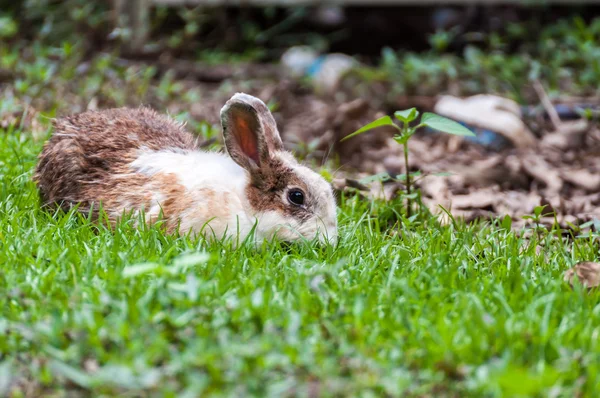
x=401, y=307
x=422, y=310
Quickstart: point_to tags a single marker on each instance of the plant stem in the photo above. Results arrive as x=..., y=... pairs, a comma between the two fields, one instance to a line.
x=408, y=204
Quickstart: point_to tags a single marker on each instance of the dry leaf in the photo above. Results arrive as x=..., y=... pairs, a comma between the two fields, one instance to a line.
x=587, y=272
x=570, y=135
x=479, y=199
x=537, y=167
x=490, y=112
x=582, y=178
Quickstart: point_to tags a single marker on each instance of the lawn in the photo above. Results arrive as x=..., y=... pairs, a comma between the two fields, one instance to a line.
x=416, y=309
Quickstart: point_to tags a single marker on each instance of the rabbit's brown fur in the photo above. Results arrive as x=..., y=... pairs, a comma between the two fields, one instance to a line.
x=87, y=159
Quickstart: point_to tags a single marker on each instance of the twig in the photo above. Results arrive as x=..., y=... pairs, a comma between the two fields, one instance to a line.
x=408, y=201
x=547, y=104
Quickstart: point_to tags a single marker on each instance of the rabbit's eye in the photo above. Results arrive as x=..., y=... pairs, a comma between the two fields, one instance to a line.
x=296, y=197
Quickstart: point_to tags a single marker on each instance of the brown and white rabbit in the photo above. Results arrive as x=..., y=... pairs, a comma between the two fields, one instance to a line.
x=135, y=159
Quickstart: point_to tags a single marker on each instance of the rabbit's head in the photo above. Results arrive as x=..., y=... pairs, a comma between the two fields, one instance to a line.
x=290, y=200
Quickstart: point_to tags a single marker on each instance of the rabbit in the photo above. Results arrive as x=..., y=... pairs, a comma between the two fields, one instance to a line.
x=134, y=160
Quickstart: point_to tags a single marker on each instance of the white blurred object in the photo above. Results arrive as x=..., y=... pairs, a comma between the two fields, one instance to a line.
x=330, y=15
x=331, y=70
x=325, y=71
x=298, y=59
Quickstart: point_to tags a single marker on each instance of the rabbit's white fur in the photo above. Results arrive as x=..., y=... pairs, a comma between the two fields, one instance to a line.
x=214, y=171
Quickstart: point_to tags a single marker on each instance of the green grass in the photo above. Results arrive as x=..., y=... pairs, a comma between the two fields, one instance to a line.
x=423, y=310
x=563, y=55
x=418, y=310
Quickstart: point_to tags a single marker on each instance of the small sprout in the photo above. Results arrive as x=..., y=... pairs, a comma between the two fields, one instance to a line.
x=407, y=116
x=587, y=272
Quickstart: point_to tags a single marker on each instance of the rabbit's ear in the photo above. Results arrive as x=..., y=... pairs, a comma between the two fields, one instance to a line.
x=249, y=131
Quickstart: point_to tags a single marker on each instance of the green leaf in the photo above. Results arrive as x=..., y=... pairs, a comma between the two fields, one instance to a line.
x=382, y=121
x=414, y=174
x=326, y=174
x=445, y=125
x=75, y=375
x=407, y=115
x=507, y=222
x=8, y=27
x=538, y=210
x=376, y=177
x=139, y=269
x=185, y=261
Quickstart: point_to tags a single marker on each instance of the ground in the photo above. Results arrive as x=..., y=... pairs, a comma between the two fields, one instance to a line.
x=425, y=305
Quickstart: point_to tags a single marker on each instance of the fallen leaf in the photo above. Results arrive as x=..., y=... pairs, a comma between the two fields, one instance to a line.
x=570, y=135
x=587, y=272
x=480, y=199
x=491, y=112
x=538, y=168
x=582, y=178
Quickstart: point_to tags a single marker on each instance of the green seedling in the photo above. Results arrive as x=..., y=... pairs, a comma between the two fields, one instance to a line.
x=405, y=131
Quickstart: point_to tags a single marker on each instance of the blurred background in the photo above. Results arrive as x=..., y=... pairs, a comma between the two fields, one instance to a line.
x=524, y=75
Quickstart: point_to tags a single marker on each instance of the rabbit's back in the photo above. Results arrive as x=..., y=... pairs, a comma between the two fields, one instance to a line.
x=87, y=159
